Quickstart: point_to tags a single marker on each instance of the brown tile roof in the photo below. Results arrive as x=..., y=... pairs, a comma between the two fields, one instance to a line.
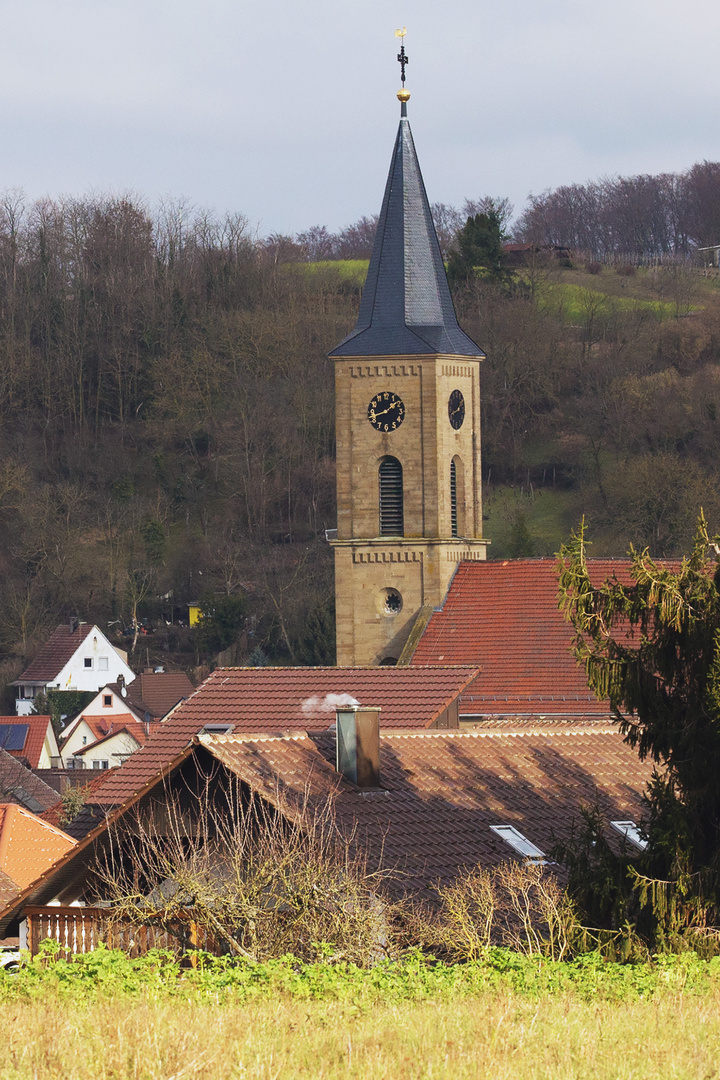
x=161, y=690
x=19, y=784
x=28, y=845
x=155, y=692
x=274, y=699
x=442, y=790
x=34, y=739
x=55, y=653
x=441, y=793
x=504, y=617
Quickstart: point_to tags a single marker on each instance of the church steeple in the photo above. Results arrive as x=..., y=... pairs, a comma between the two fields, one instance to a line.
x=406, y=306
x=407, y=426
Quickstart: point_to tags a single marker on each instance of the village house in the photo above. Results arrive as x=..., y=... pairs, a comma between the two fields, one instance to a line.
x=30, y=739
x=28, y=845
x=76, y=656
x=444, y=800
x=119, y=719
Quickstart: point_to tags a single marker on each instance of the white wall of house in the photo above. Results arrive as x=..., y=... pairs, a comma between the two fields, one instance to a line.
x=107, y=703
x=109, y=752
x=94, y=663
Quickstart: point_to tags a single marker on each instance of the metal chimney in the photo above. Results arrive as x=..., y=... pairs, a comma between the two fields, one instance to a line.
x=357, y=743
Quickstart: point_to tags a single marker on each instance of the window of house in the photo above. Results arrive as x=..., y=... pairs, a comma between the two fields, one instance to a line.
x=84, y=740
x=101, y=764
x=631, y=832
x=390, y=483
x=519, y=843
x=88, y=661
x=107, y=701
x=102, y=663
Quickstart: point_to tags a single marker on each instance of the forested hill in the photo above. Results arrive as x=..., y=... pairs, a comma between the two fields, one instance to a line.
x=167, y=421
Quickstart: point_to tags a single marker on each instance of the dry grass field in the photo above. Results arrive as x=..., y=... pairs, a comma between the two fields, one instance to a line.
x=494, y=1035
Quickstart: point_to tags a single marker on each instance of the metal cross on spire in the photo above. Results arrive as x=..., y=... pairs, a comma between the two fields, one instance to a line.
x=402, y=58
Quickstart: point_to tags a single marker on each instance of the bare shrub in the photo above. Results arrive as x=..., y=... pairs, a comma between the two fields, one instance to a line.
x=626, y=270
x=519, y=905
x=594, y=268
x=239, y=876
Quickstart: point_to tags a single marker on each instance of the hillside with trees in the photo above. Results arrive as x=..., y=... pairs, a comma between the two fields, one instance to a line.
x=167, y=410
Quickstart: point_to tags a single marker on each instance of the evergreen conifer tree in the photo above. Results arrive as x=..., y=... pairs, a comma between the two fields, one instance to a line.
x=652, y=648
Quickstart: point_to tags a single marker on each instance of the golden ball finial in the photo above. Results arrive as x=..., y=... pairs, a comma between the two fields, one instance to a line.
x=403, y=95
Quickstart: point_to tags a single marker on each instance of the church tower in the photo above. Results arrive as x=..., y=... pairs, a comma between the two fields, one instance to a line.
x=407, y=413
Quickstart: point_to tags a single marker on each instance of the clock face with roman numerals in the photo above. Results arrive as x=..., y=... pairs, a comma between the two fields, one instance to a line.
x=386, y=411
x=456, y=409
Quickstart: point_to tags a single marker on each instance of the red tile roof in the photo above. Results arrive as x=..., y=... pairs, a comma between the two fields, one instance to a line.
x=504, y=617
x=55, y=653
x=274, y=699
x=28, y=845
x=34, y=740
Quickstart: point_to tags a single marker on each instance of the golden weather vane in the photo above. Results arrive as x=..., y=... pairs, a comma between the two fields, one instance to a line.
x=403, y=94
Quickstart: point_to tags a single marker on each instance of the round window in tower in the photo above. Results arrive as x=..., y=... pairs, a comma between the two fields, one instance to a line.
x=390, y=602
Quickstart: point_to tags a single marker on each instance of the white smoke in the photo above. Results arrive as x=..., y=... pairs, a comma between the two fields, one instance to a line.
x=327, y=704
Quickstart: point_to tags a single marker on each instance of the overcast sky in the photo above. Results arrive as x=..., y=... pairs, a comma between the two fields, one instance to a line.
x=285, y=110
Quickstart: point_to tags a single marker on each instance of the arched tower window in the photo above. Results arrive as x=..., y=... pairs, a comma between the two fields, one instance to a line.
x=457, y=498
x=390, y=484
x=453, y=499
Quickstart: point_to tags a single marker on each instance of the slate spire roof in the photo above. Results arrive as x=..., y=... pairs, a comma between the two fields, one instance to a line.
x=406, y=306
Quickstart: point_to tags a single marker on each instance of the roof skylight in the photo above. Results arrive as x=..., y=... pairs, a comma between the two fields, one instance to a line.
x=518, y=842
x=631, y=832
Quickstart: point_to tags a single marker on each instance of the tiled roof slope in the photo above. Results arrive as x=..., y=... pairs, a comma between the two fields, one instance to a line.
x=34, y=740
x=161, y=690
x=55, y=653
x=18, y=784
x=28, y=845
x=441, y=793
x=442, y=790
x=86, y=819
x=504, y=617
x=275, y=699
x=406, y=306
x=8, y=889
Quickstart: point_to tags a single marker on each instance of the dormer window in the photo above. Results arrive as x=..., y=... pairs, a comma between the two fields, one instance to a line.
x=88, y=662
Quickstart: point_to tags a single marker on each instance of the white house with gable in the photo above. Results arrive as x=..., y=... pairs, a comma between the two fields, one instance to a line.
x=76, y=656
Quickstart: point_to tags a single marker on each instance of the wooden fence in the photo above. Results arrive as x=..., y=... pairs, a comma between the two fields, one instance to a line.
x=82, y=929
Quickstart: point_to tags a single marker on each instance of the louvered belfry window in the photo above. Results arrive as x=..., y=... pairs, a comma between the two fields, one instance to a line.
x=391, y=497
x=453, y=499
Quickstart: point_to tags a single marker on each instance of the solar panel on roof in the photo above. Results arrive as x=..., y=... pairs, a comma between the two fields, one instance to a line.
x=13, y=736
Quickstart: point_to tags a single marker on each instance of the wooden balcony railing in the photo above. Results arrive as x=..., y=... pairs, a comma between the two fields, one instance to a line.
x=81, y=929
